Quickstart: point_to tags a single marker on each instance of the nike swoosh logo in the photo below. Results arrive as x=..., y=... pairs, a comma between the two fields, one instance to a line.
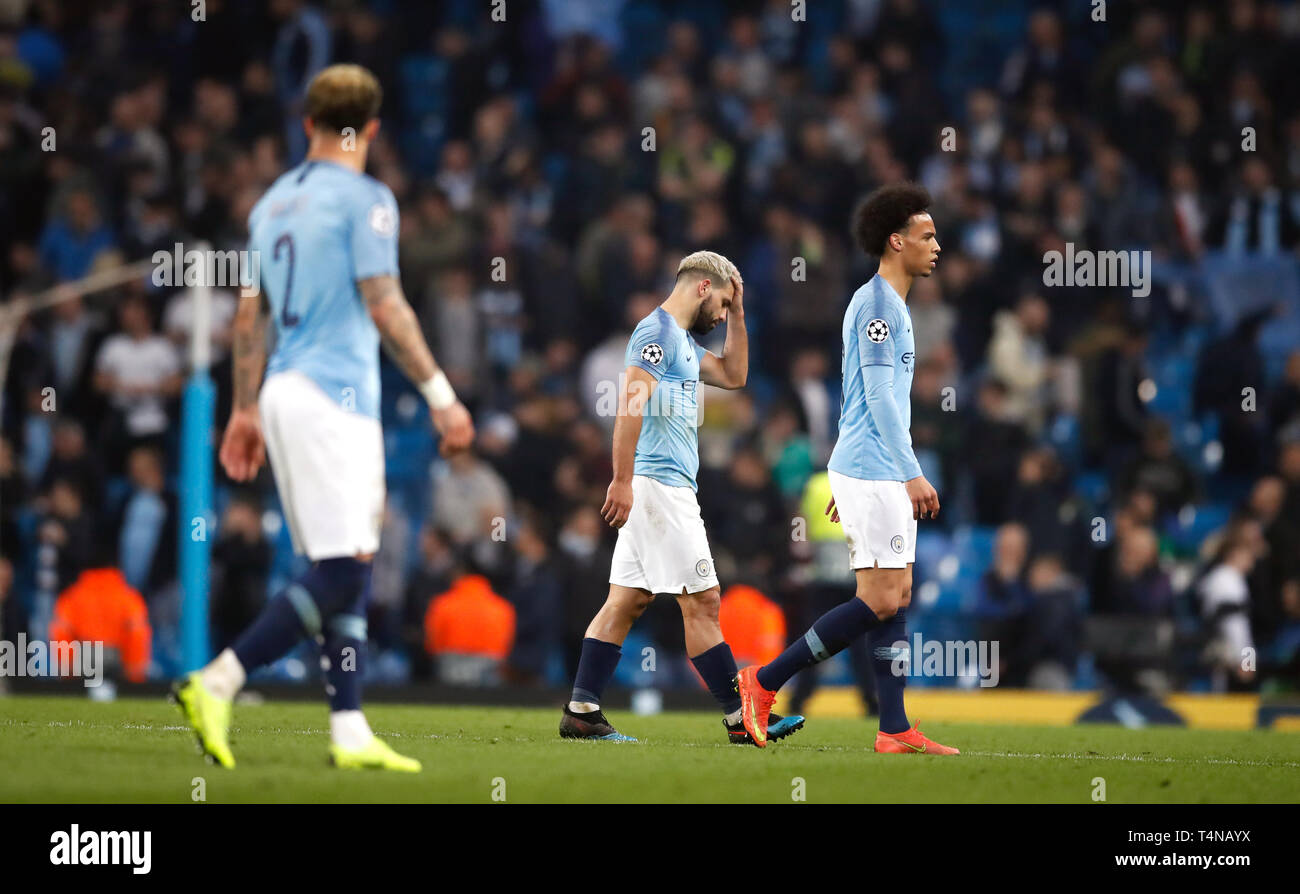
x=920, y=750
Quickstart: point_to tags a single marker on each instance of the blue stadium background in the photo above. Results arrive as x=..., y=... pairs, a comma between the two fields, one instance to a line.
x=1039, y=410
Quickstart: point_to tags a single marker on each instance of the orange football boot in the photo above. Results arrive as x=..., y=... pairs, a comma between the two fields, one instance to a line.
x=755, y=704
x=909, y=742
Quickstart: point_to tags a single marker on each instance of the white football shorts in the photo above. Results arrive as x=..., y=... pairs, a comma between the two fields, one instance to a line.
x=329, y=467
x=662, y=547
x=877, y=520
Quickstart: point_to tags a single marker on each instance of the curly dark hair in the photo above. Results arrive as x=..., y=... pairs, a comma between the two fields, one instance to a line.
x=887, y=210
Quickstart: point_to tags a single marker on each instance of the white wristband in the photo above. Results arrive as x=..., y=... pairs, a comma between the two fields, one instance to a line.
x=438, y=391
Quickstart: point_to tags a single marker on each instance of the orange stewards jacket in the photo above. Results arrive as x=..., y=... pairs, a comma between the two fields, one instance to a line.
x=470, y=619
x=752, y=624
x=101, y=606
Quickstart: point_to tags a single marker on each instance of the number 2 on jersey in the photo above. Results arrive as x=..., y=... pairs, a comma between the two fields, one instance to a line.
x=286, y=242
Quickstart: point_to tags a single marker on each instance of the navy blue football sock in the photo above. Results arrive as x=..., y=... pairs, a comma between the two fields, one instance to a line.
x=275, y=631
x=341, y=657
x=336, y=585
x=890, y=685
x=828, y=635
x=595, y=669
x=327, y=588
x=718, y=668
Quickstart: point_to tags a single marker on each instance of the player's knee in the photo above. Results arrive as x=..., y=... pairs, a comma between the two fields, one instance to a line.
x=629, y=605
x=884, y=604
x=332, y=586
x=704, y=606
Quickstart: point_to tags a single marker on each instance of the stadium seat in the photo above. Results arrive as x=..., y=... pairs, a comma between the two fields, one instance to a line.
x=1195, y=523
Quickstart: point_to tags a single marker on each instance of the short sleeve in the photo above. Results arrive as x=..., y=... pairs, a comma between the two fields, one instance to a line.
x=374, y=233
x=650, y=347
x=700, y=351
x=877, y=328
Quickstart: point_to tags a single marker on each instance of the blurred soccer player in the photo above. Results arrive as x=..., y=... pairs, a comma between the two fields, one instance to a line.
x=326, y=238
x=662, y=547
x=877, y=490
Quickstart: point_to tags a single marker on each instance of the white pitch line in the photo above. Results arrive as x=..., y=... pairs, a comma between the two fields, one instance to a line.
x=1135, y=758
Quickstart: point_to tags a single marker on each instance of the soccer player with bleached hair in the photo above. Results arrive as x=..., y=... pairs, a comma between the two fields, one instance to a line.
x=662, y=546
x=325, y=235
x=877, y=490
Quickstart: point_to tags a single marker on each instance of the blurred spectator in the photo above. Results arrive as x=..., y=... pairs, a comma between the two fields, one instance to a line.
x=786, y=450
x=809, y=372
x=1224, y=370
x=146, y=523
x=1114, y=368
x=752, y=624
x=1140, y=586
x=1284, y=408
x=1003, y=601
x=13, y=493
x=241, y=561
x=1040, y=499
x=746, y=517
x=138, y=370
x=469, y=630
x=70, y=461
x=75, y=236
x=1049, y=651
x=432, y=575
x=102, y=607
x=66, y=533
x=1259, y=218
x=469, y=499
x=1160, y=471
x=538, y=598
x=583, y=562
x=1018, y=358
x=1225, y=602
x=1000, y=439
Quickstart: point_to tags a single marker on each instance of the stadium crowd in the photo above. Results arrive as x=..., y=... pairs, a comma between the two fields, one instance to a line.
x=1120, y=473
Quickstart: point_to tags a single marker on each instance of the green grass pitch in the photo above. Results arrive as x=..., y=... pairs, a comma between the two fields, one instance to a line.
x=62, y=749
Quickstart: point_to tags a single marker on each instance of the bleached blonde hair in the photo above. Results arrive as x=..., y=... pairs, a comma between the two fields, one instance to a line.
x=709, y=263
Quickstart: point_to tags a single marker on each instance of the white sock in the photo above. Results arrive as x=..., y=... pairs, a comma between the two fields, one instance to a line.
x=733, y=718
x=583, y=707
x=224, y=676
x=349, y=729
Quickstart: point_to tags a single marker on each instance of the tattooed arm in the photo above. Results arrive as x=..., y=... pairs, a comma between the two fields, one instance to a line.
x=249, y=359
x=399, y=332
x=242, y=449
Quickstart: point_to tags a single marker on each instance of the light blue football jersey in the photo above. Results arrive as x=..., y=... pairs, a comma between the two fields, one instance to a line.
x=877, y=333
x=320, y=229
x=669, y=449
